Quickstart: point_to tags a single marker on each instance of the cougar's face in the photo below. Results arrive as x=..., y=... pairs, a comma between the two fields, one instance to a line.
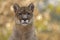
x=24, y=14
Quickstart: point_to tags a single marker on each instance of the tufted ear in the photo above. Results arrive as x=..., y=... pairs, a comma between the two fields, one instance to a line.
x=16, y=7
x=31, y=7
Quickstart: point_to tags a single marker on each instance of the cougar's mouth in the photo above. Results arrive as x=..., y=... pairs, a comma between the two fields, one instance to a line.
x=24, y=22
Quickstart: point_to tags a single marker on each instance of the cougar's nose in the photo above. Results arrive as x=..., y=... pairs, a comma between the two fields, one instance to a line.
x=24, y=17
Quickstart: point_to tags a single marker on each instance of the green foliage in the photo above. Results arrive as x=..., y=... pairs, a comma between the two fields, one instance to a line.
x=40, y=26
x=50, y=6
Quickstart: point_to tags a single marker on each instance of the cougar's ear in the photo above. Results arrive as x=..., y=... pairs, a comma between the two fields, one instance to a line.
x=31, y=7
x=16, y=7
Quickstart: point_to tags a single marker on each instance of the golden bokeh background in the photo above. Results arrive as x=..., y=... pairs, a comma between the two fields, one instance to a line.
x=46, y=18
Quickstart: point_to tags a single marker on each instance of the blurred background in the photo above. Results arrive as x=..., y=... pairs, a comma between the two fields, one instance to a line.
x=46, y=18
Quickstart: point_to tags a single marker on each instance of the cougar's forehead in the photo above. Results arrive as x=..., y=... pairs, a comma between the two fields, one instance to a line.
x=25, y=9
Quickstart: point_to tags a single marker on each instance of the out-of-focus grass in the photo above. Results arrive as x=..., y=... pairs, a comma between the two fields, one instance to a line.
x=4, y=33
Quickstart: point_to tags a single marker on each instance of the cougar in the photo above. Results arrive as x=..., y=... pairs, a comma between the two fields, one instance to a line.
x=24, y=28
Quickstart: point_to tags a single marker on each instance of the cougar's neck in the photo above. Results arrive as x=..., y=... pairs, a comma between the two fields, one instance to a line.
x=24, y=32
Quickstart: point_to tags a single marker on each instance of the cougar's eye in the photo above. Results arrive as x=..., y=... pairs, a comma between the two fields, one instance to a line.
x=28, y=13
x=19, y=13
